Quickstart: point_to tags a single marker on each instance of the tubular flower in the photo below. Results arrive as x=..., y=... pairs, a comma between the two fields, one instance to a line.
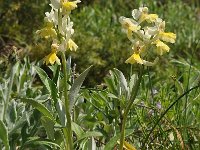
x=135, y=57
x=71, y=45
x=52, y=57
x=69, y=6
x=141, y=15
x=129, y=26
x=161, y=47
x=146, y=36
x=47, y=32
x=167, y=37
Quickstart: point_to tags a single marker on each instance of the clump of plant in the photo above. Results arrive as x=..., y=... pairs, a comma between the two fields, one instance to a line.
x=147, y=35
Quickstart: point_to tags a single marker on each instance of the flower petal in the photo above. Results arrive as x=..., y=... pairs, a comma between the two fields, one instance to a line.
x=135, y=58
x=167, y=37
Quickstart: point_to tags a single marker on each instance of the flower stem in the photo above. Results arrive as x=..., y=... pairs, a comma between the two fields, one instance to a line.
x=68, y=115
x=133, y=96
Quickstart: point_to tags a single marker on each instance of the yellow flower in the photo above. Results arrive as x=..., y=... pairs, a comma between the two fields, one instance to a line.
x=167, y=36
x=151, y=18
x=161, y=47
x=142, y=15
x=71, y=45
x=69, y=6
x=148, y=17
x=129, y=25
x=47, y=32
x=135, y=58
x=52, y=57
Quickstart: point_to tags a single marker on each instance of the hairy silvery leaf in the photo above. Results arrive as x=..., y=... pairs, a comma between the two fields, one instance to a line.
x=73, y=93
x=77, y=129
x=4, y=135
x=40, y=107
x=122, y=80
x=49, y=127
x=11, y=113
x=36, y=142
x=49, y=84
x=20, y=122
x=132, y=82
x=61, y=112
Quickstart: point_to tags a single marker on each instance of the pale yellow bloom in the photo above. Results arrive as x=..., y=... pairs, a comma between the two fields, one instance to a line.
x=69, y=6
x=129, y=25
x=52, y=57
x=47, y=32
x=167, y=36
x=135, y=58
x=138, y=48
x=143, y=15
x=71, y=45
x=151, y=18
x=161, y=47
x=148, y=17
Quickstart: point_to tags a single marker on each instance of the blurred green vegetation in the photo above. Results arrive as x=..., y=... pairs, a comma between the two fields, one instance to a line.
x=98, y=31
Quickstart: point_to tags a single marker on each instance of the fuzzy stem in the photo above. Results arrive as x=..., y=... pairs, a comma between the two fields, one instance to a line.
x=133, y=96
x=68, y=115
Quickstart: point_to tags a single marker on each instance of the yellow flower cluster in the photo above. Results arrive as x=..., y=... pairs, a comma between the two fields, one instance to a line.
x=58, y=23
x=146, y=31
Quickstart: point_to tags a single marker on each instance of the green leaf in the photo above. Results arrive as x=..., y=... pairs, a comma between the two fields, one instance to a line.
x=132, y=82
x=49, y=127
x=179, y=87
x=74, y=90
x=77, y=129
x=4, y=135
x=44, y=78
x=110, y=82
x=49, y=84
x=59, y=137
x=20, y=122
x=61, y=112
x=40, y=107
x=1, y=111
x=90, y=134
x=56, y=72
x=113, y=141
x=35, y=141
x=121, y=79
x=11, y=115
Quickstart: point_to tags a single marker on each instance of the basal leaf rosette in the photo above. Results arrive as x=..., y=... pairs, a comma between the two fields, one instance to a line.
x=59, y=29
x=147, y=35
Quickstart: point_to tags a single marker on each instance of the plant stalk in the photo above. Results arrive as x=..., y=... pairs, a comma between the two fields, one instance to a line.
x=68, y=115
x=133, y=96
